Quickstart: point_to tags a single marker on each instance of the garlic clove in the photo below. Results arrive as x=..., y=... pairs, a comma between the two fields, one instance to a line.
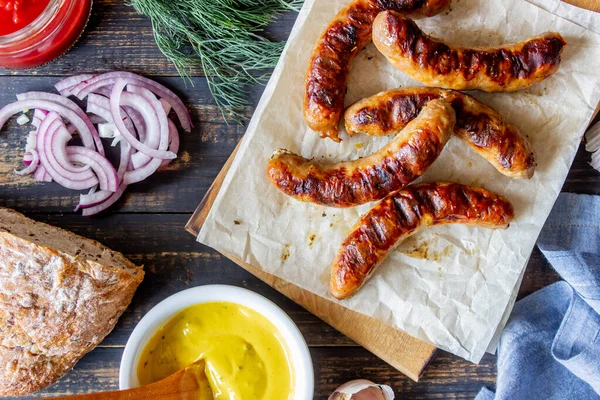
x=362, y=389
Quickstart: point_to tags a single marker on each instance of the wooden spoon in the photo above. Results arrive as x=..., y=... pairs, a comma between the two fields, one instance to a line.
x=189, y=383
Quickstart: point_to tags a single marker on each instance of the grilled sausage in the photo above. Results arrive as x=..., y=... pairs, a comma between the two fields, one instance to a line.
x=480, y=126
x=351, y=183
x=346, y=35
x=400, y=215
x=493, y=69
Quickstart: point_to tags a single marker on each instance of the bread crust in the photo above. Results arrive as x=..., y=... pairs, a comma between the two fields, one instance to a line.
x=371, y=178
x=504, y=68
x=398, y=216
x=343, y=38
x=480, y=126
x=54, y=308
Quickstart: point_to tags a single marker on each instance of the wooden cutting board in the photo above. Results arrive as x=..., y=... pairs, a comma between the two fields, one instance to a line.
x=405, y=353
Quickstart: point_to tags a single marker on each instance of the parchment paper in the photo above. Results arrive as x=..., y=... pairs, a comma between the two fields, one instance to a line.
x=449, y=285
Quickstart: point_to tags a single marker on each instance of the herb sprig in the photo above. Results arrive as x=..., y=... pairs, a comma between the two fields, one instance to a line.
x=221, y=36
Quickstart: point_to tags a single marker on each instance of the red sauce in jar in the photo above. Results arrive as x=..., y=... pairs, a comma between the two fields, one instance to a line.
x=17, y=14
x=49, y=33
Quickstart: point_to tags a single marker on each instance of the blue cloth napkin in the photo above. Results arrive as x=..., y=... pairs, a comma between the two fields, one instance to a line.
x=550, y=348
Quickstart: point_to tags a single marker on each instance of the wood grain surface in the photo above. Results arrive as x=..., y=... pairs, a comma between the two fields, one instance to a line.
x=147, y=225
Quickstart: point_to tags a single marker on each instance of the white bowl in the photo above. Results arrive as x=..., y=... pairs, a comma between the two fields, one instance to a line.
x=166, y=309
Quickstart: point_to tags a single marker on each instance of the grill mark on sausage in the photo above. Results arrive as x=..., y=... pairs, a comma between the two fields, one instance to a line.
x=400, y=215
x=372, y=178
x=482, y=127
x=347, y=34
x=529, y=62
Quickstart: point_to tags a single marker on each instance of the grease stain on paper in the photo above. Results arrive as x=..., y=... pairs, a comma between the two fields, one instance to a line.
x=285, y=253
x=422, y=250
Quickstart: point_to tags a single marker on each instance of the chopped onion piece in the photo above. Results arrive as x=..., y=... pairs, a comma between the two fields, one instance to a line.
x=108, y=130
x=22, y=120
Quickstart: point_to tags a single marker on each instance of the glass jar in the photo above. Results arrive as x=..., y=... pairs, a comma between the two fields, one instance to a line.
x=48, y=37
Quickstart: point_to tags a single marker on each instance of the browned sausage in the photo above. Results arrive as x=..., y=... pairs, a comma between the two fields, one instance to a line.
x=480, y=126
x=347, y=34
x=398, y=216
x=351, y=183
x=492, y=69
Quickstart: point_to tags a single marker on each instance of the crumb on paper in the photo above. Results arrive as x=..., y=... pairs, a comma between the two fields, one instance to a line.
x=323, y=215
x=285, y=254
x=311, y=239
x=358, y=145
x=236, y=222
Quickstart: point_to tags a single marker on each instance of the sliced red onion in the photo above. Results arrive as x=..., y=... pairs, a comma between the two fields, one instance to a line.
x=87, y=137
x=138, y=122
x=41, y=114
x=100, y=105
x=104, y=91
x=99, y=164
x=33, y=164
x=54, y=142
x=27, y=157
x=36, y=122
x=93, y=199
x=70, y=82
x=71, y=180
x=90, y=85
x=31, y=141
x=166, y=106
x=140, y=159
x=157, y=129
x=40, y=174
x=88, y=212
x=70, y=105
x=96, y=119
x=173, y=141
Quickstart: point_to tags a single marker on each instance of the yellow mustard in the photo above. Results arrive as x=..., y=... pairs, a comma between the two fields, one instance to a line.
x=245, y=354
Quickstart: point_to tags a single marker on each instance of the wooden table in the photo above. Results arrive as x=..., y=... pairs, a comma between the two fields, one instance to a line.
x=148, y=225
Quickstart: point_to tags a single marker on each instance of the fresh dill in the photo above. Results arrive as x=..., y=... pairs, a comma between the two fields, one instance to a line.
x=223, y=37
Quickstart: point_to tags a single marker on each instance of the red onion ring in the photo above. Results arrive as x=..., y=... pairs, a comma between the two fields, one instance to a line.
x=153, y=122
x=86, y=135
x=85, y=88
x=100, y=165
x=70, y=105
x=67, y=179
x=68, y=83
x=33, y=164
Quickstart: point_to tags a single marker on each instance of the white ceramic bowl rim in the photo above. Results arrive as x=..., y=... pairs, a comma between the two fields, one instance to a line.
x=163, y=311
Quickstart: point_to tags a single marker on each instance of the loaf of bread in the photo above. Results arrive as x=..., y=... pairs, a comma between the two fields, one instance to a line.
x=60, y=295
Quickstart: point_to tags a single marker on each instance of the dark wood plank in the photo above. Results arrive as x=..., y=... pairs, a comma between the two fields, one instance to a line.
x=117, y=38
